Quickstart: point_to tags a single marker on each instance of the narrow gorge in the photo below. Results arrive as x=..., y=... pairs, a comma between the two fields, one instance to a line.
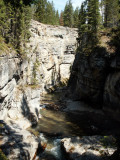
x=57, y=103
x=46, y=65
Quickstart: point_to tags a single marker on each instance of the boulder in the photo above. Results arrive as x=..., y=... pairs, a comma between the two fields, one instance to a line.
x=88, y=147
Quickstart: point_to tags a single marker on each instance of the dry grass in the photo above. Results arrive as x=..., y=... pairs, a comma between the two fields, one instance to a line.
x=104, y=42
x=3, y=46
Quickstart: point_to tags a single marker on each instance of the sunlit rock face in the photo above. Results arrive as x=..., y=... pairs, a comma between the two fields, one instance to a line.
x=9, y=75
x=51, y=54
x=87, y=147
x=19, y=109
x=46, y=62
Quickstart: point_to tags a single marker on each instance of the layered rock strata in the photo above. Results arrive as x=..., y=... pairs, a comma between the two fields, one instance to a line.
x=51, y=54
x=46, y=62
x=95, y=79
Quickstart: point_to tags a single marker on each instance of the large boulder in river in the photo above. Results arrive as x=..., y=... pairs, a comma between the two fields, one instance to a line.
x=88, y=147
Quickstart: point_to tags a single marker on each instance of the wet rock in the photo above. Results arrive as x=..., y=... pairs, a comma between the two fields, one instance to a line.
x=88, y=147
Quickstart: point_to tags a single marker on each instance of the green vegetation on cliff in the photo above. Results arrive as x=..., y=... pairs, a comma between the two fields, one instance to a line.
x=93, y=17
x=68, y=14
x=14, y=22
x=97, y=17
x=46, y=13
x=2, y=156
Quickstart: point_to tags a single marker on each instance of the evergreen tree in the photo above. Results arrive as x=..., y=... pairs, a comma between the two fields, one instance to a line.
x=57, y=18
x=3, y=19
x=53, y=14
x=16, y=19
x=49, y=13
x=116, y=35
x=102, y=9
x=111, y=13
x=88, y=25
x=46, y=13
x=40, y=13
x=61, y=21
x=76, y=17
x=68, y=14
x=82, y=25
x=93, y=21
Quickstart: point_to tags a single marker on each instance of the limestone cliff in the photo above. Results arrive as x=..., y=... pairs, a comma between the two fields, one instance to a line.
x=95, y=79
x=89, y=74
x=51, y=54
x=46, y=62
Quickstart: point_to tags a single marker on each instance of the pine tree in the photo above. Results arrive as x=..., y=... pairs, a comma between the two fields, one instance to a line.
x=3, y=19
x=76, y=17
x=93, y=21
x=68, y=14
x=16, y=22
x=57, y=18
x=111, y=13
x=82, y=25
x=116, y=34
x=61, y=21
x=40, y=13
x=53, y=14
x=49, y=13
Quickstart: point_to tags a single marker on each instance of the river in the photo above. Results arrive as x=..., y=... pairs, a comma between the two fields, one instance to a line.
x=56, y=123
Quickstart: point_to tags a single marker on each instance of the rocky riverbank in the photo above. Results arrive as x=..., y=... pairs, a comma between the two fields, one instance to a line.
x=81, y=131
x=44, y=66
x=89, y=147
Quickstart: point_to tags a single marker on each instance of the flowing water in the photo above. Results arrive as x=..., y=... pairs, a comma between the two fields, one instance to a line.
x=52, y=127
x=55, y=125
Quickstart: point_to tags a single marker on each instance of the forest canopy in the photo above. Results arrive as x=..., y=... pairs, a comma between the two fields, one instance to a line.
x=92, y=17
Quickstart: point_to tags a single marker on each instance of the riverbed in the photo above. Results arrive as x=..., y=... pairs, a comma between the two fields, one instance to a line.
x=66, y=118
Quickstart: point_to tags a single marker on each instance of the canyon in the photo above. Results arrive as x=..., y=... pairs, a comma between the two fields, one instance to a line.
x=51, y=61
x=46, y=64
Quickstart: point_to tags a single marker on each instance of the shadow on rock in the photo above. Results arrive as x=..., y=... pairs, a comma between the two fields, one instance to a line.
x=12, y=143
x=27, y=113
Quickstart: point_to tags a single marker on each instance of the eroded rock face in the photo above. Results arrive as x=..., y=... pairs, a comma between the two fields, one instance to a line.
x=19, y=109
x=88, y=147
x=95, y=78
x=112, y=94
x=8, y=70
x=88, y=76
x=51, y=54
x=16, y=142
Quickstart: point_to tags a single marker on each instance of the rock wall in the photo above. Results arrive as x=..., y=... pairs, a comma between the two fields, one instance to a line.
x=111, y=94
x=96, y=80
x=48, y=57
x=51, y=54
x=19, y=109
